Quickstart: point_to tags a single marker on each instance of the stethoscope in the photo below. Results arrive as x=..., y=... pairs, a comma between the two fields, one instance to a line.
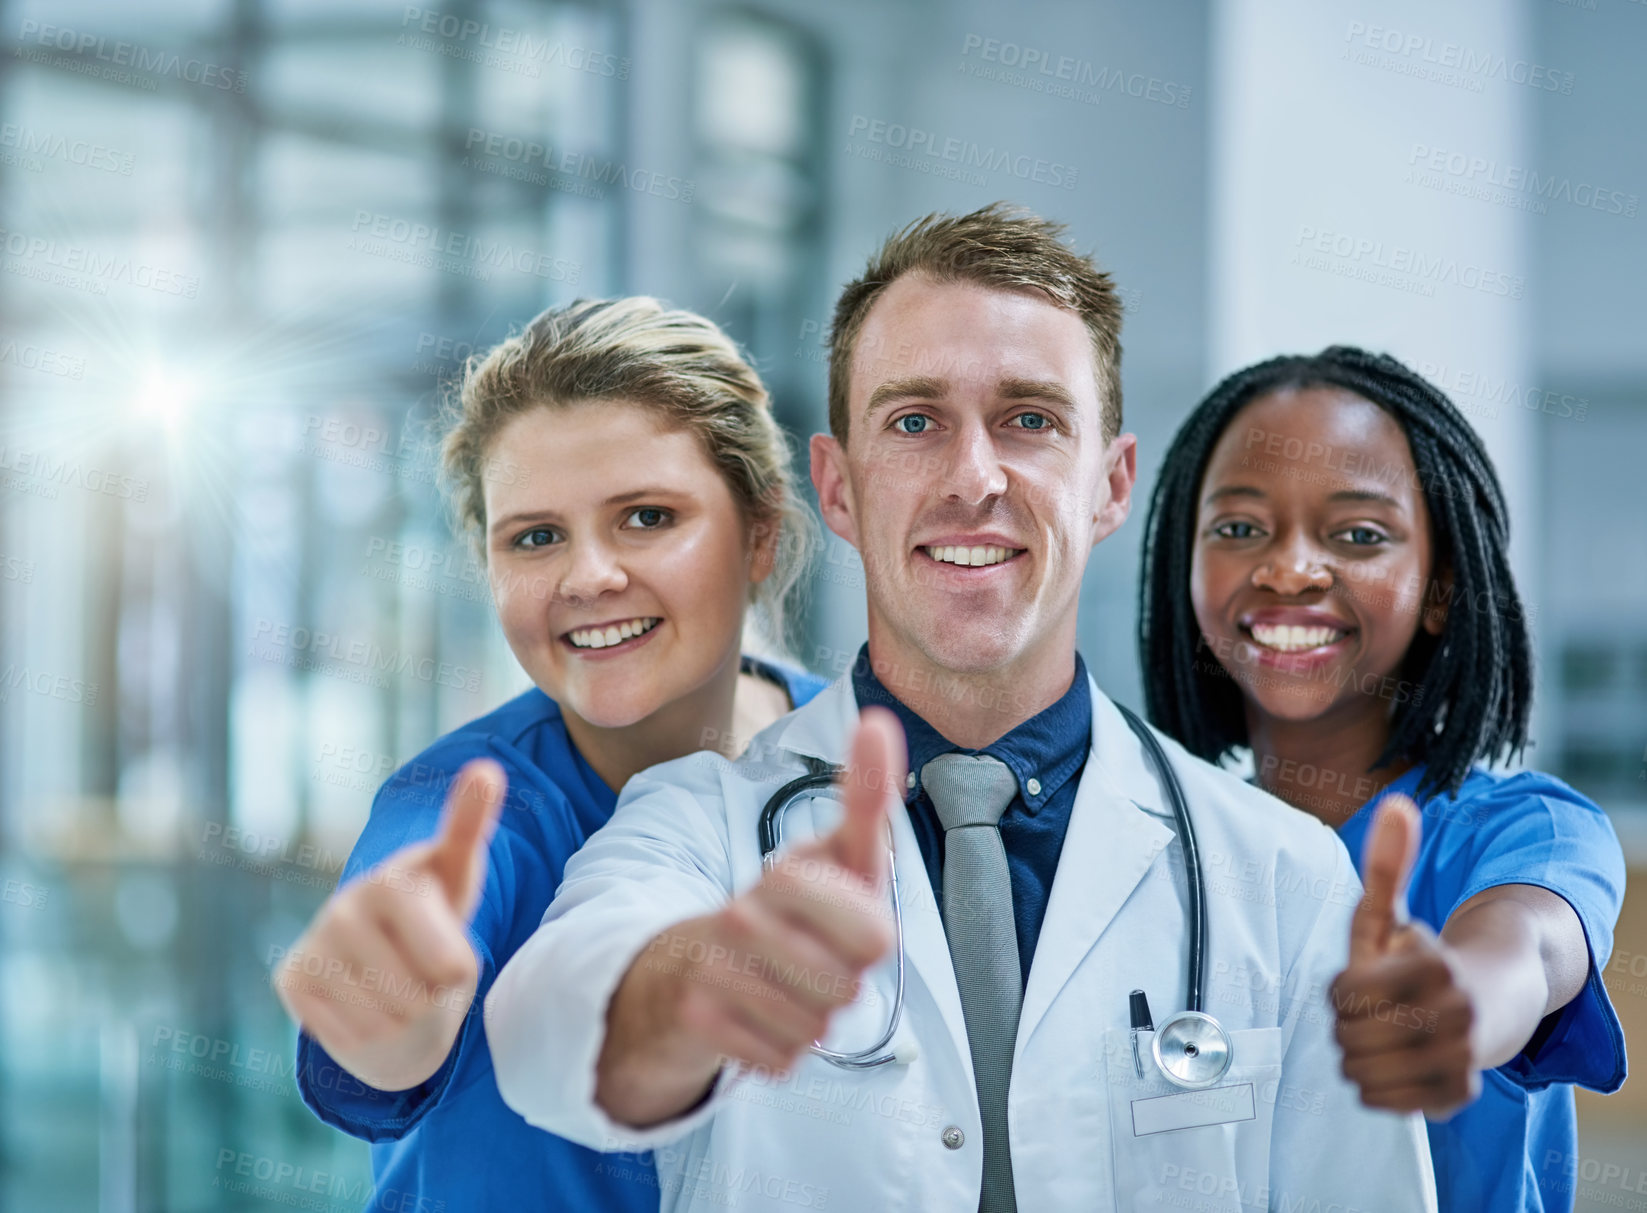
x=820, y=777
x=1191, y=1048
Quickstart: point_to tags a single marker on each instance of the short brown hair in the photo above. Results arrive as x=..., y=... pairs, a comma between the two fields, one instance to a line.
x=998, y=246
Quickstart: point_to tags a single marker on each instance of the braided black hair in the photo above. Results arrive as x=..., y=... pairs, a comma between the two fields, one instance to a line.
x=1475, y=679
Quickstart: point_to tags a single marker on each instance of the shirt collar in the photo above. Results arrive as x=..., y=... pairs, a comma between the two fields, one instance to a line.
x=1048, y=748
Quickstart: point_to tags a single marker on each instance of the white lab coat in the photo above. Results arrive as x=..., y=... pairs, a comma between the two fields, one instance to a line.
x=1280, y=894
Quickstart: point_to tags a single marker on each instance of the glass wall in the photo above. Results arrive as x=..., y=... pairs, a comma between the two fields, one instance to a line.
x=247, y=248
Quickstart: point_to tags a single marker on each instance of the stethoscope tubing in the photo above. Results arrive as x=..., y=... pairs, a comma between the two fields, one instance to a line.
x=1195, y=889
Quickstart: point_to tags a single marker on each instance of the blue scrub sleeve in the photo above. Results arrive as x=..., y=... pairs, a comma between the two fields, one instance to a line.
x=1537, y=831
x=407, y=810
x=341, y=1100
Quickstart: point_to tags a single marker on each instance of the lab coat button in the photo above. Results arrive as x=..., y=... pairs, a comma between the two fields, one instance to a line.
x=953, y=1138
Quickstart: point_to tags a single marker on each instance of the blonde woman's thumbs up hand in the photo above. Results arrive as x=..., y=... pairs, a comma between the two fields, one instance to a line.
x=385, y=973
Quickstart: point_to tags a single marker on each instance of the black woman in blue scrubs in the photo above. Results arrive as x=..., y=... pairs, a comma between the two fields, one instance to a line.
x=1327, y=582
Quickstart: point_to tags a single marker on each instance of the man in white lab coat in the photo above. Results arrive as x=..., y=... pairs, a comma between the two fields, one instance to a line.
x=669, y=1000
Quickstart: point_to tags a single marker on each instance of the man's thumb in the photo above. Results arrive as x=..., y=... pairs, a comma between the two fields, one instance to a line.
x=1386, y=864
x=874, y=771
x=466, y=823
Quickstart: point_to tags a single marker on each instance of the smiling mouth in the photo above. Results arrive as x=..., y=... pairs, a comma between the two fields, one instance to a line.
x=612, y=633
x=1293, y=638
x=973, y=557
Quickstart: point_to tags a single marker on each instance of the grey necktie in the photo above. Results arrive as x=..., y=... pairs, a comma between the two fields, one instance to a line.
x=970, y=792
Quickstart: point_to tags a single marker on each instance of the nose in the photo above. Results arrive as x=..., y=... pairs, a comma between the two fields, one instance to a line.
x=592, y=569
x=1292, y=567
x=975, y=472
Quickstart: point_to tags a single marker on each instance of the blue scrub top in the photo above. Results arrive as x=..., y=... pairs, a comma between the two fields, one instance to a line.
x=452, y=1144
x=1515, y=1148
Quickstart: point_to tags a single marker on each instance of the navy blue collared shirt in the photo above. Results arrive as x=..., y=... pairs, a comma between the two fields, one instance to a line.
x=1045, y=752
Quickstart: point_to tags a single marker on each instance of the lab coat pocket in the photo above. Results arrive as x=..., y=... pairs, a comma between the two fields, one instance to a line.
x=1204, y=1150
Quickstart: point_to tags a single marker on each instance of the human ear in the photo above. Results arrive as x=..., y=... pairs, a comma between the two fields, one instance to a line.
x=1433, y=610
x=1121, y=473
x=830, y=479
x=765, y=534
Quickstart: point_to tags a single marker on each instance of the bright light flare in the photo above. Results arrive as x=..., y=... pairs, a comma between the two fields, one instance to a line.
x=165, y=397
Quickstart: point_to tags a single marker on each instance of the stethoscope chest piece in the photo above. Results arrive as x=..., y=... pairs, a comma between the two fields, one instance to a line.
x=1192, y=1049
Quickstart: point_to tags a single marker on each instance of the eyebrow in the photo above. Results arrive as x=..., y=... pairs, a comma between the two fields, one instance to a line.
x=1233, y=490
x=1366, y=495
x=640, y=494
x=927, y=387
x=1035, y=389
x=1247, y=490
x=914, y=387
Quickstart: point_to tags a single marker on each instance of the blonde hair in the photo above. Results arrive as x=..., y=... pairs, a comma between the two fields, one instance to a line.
x=675, y=363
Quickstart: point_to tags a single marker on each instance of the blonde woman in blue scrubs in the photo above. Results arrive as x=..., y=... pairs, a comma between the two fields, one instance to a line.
x=618, y=467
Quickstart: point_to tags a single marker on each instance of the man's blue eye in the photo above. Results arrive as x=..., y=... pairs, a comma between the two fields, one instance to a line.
x=919, y=422
x=1033, y=421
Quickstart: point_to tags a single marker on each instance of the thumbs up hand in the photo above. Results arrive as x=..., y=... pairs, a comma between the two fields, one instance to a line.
x=1404, y=1019
x=757, y=981
x=385, y=973
x=817, y=920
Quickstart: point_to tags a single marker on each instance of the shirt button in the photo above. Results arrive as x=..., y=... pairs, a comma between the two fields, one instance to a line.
x=909, y=780
x=1033, y=786
x=953, y=1138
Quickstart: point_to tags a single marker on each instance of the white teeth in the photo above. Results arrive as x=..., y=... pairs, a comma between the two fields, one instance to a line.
x=973, y=556
x=1294, y=638
x=616, y=633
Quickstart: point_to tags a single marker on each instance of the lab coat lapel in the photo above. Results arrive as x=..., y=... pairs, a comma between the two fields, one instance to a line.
x=823, y=729
x=1110, y=843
